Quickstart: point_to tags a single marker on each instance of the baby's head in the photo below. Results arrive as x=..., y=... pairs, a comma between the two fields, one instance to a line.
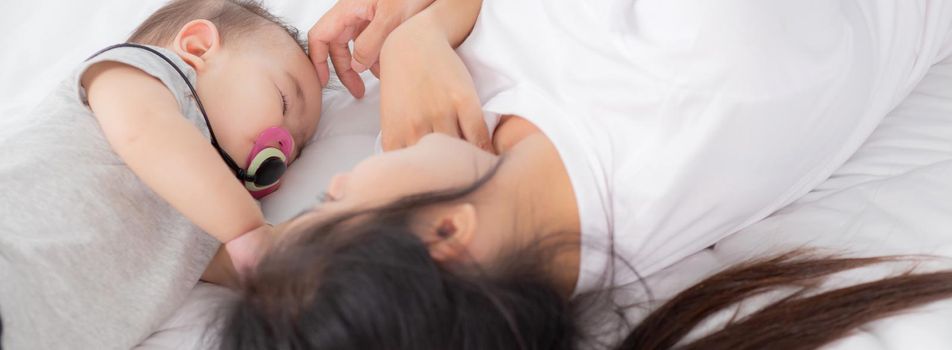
x=253, y=71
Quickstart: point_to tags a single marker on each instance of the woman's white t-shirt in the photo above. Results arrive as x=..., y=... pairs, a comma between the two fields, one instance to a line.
x=683, y=121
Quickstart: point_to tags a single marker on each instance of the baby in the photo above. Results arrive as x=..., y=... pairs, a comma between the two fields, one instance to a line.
x=112, y=184
x=261, y=98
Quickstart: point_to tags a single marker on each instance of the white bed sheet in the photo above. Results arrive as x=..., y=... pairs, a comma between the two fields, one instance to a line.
x=894, y=196
x=43, y=40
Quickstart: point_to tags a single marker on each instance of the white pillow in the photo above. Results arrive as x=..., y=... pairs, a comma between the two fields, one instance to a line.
x=345, y=135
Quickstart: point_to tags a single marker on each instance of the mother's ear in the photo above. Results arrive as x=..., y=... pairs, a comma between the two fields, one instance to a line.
x=452, y=232
x=196, y=42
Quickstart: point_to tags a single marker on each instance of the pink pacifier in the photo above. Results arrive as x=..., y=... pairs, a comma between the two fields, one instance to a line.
x=268, y=161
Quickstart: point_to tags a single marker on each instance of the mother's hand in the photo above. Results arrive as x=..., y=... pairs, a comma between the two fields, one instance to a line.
x=426, y=88
x=367, y=23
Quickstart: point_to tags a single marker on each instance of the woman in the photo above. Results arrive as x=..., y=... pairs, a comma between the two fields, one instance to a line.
x=620, y=151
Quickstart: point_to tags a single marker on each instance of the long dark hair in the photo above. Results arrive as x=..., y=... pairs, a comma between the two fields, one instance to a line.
x=364, y=280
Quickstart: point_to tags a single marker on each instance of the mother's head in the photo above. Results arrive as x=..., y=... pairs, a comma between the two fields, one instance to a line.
x=357, y=274
x=509, y=202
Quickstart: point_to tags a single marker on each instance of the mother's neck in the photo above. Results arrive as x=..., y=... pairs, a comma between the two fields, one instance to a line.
x=540, y=194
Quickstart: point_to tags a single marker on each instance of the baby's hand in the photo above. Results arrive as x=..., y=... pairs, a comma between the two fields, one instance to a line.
x=246, y=250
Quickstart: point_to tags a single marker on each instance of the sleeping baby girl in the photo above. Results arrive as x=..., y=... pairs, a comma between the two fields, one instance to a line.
x=119, y=188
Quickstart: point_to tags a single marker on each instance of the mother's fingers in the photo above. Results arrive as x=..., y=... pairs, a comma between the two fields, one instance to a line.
x=340, y=57
x=389, y=143
x=375, y=69
x=332, y=29
x=318, y=51
x=448, y=125
x=397, y=138
x=472, y=125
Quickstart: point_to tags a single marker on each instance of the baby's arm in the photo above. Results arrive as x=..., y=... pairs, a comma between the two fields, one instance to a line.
x=143, y=124
x=221, y=271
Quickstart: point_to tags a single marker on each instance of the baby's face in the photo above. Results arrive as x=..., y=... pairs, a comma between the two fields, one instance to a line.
x=263, y=81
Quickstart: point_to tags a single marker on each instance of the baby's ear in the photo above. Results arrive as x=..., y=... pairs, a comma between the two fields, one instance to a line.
x=196, y=42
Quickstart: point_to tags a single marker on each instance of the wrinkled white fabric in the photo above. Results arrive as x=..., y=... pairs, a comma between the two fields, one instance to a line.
x=682, y=121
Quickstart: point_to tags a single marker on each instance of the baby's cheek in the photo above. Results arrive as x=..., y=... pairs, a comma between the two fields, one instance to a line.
x=306, y=126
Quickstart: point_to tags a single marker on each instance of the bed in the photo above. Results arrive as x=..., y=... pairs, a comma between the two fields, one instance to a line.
x=894, y=196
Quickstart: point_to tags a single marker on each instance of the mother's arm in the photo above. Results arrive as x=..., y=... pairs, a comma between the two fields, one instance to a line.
x=424, y=85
